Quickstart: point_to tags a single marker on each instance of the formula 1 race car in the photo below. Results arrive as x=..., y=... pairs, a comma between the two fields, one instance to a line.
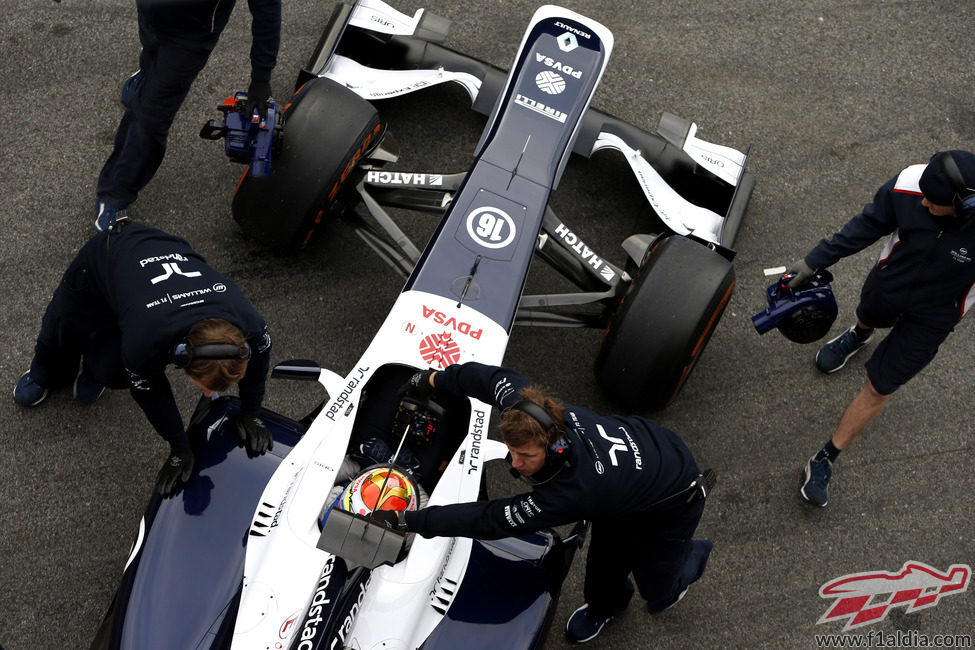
x=334, y=159
x=282, y=551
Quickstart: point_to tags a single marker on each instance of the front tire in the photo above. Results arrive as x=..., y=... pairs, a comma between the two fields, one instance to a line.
x=328, y=130
x=663, y=323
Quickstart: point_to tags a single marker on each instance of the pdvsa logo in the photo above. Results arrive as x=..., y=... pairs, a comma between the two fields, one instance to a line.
x=564, y=68
x=439, y=350
x=550, y=82
x=866, y=598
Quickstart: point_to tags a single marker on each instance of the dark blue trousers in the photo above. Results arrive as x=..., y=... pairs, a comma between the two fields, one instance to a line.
x=655, y=546
x=78, y=323
x=169, y=67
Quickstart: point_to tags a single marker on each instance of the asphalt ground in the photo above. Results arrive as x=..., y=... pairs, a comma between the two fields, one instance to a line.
x=835, y=97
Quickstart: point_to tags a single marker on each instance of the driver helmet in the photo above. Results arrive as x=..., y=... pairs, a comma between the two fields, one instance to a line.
x=380, y=487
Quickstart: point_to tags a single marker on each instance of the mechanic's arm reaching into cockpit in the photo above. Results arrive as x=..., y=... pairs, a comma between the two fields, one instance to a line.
x=528, y=441
x=490, y=384
x=547, y=506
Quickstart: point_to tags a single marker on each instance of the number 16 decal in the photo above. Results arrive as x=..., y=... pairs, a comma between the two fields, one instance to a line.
x=491, y=227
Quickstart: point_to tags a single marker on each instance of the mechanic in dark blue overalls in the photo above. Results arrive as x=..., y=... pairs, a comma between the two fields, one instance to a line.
x=635, y=480
x=177, y=38
x=134, y=300
x=922, y=285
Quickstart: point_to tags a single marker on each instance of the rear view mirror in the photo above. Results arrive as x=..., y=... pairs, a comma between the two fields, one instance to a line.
x=297, y=369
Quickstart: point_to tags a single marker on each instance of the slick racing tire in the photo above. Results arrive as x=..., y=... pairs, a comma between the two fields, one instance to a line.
x=328, y=129
x=663, y=323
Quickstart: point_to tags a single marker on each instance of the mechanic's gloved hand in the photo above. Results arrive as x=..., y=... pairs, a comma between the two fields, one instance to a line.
x=257, y=95
x=391, y=519
x=377, y=451
x=802, y=273
x=176, y=470
x=253, y=434
x=418, y=385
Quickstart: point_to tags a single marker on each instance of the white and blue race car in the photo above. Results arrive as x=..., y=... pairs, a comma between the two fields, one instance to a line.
x=251, y=553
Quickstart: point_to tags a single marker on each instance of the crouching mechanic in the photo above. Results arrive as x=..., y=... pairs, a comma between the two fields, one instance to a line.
x=922, y=285
x=134, y=300
x=633, y=479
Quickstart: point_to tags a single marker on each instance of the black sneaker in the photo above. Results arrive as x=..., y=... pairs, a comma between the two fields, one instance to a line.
x=86, y=389
x=130, y=86
x=584, y=625
x=834, y=355
x=106, y=214
x=814, y=481
x=28, y=392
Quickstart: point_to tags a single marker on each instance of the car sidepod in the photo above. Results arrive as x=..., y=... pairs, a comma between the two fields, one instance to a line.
x=182, y=580
x=508, y=596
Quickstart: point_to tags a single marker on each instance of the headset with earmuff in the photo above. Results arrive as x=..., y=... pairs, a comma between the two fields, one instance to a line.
x=964, y=199
x=557, y=452
x=184, y=353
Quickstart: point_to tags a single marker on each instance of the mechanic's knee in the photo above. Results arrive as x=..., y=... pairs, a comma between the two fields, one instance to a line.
x=871, y=392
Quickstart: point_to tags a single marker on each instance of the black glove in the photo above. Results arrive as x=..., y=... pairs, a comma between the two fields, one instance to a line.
x=257, y=95
x=802, y=273
x=391, y=519
x=175, y=470
x=377, y=451
x=253, y=434
x=418, y=385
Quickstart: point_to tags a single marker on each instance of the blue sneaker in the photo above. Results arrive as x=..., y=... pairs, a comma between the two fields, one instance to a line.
x=814, y=481
x=584, y=625
x=86, y=389
x=834, y=355
x=106, y=214
x=28, y=392
x=130, y=86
